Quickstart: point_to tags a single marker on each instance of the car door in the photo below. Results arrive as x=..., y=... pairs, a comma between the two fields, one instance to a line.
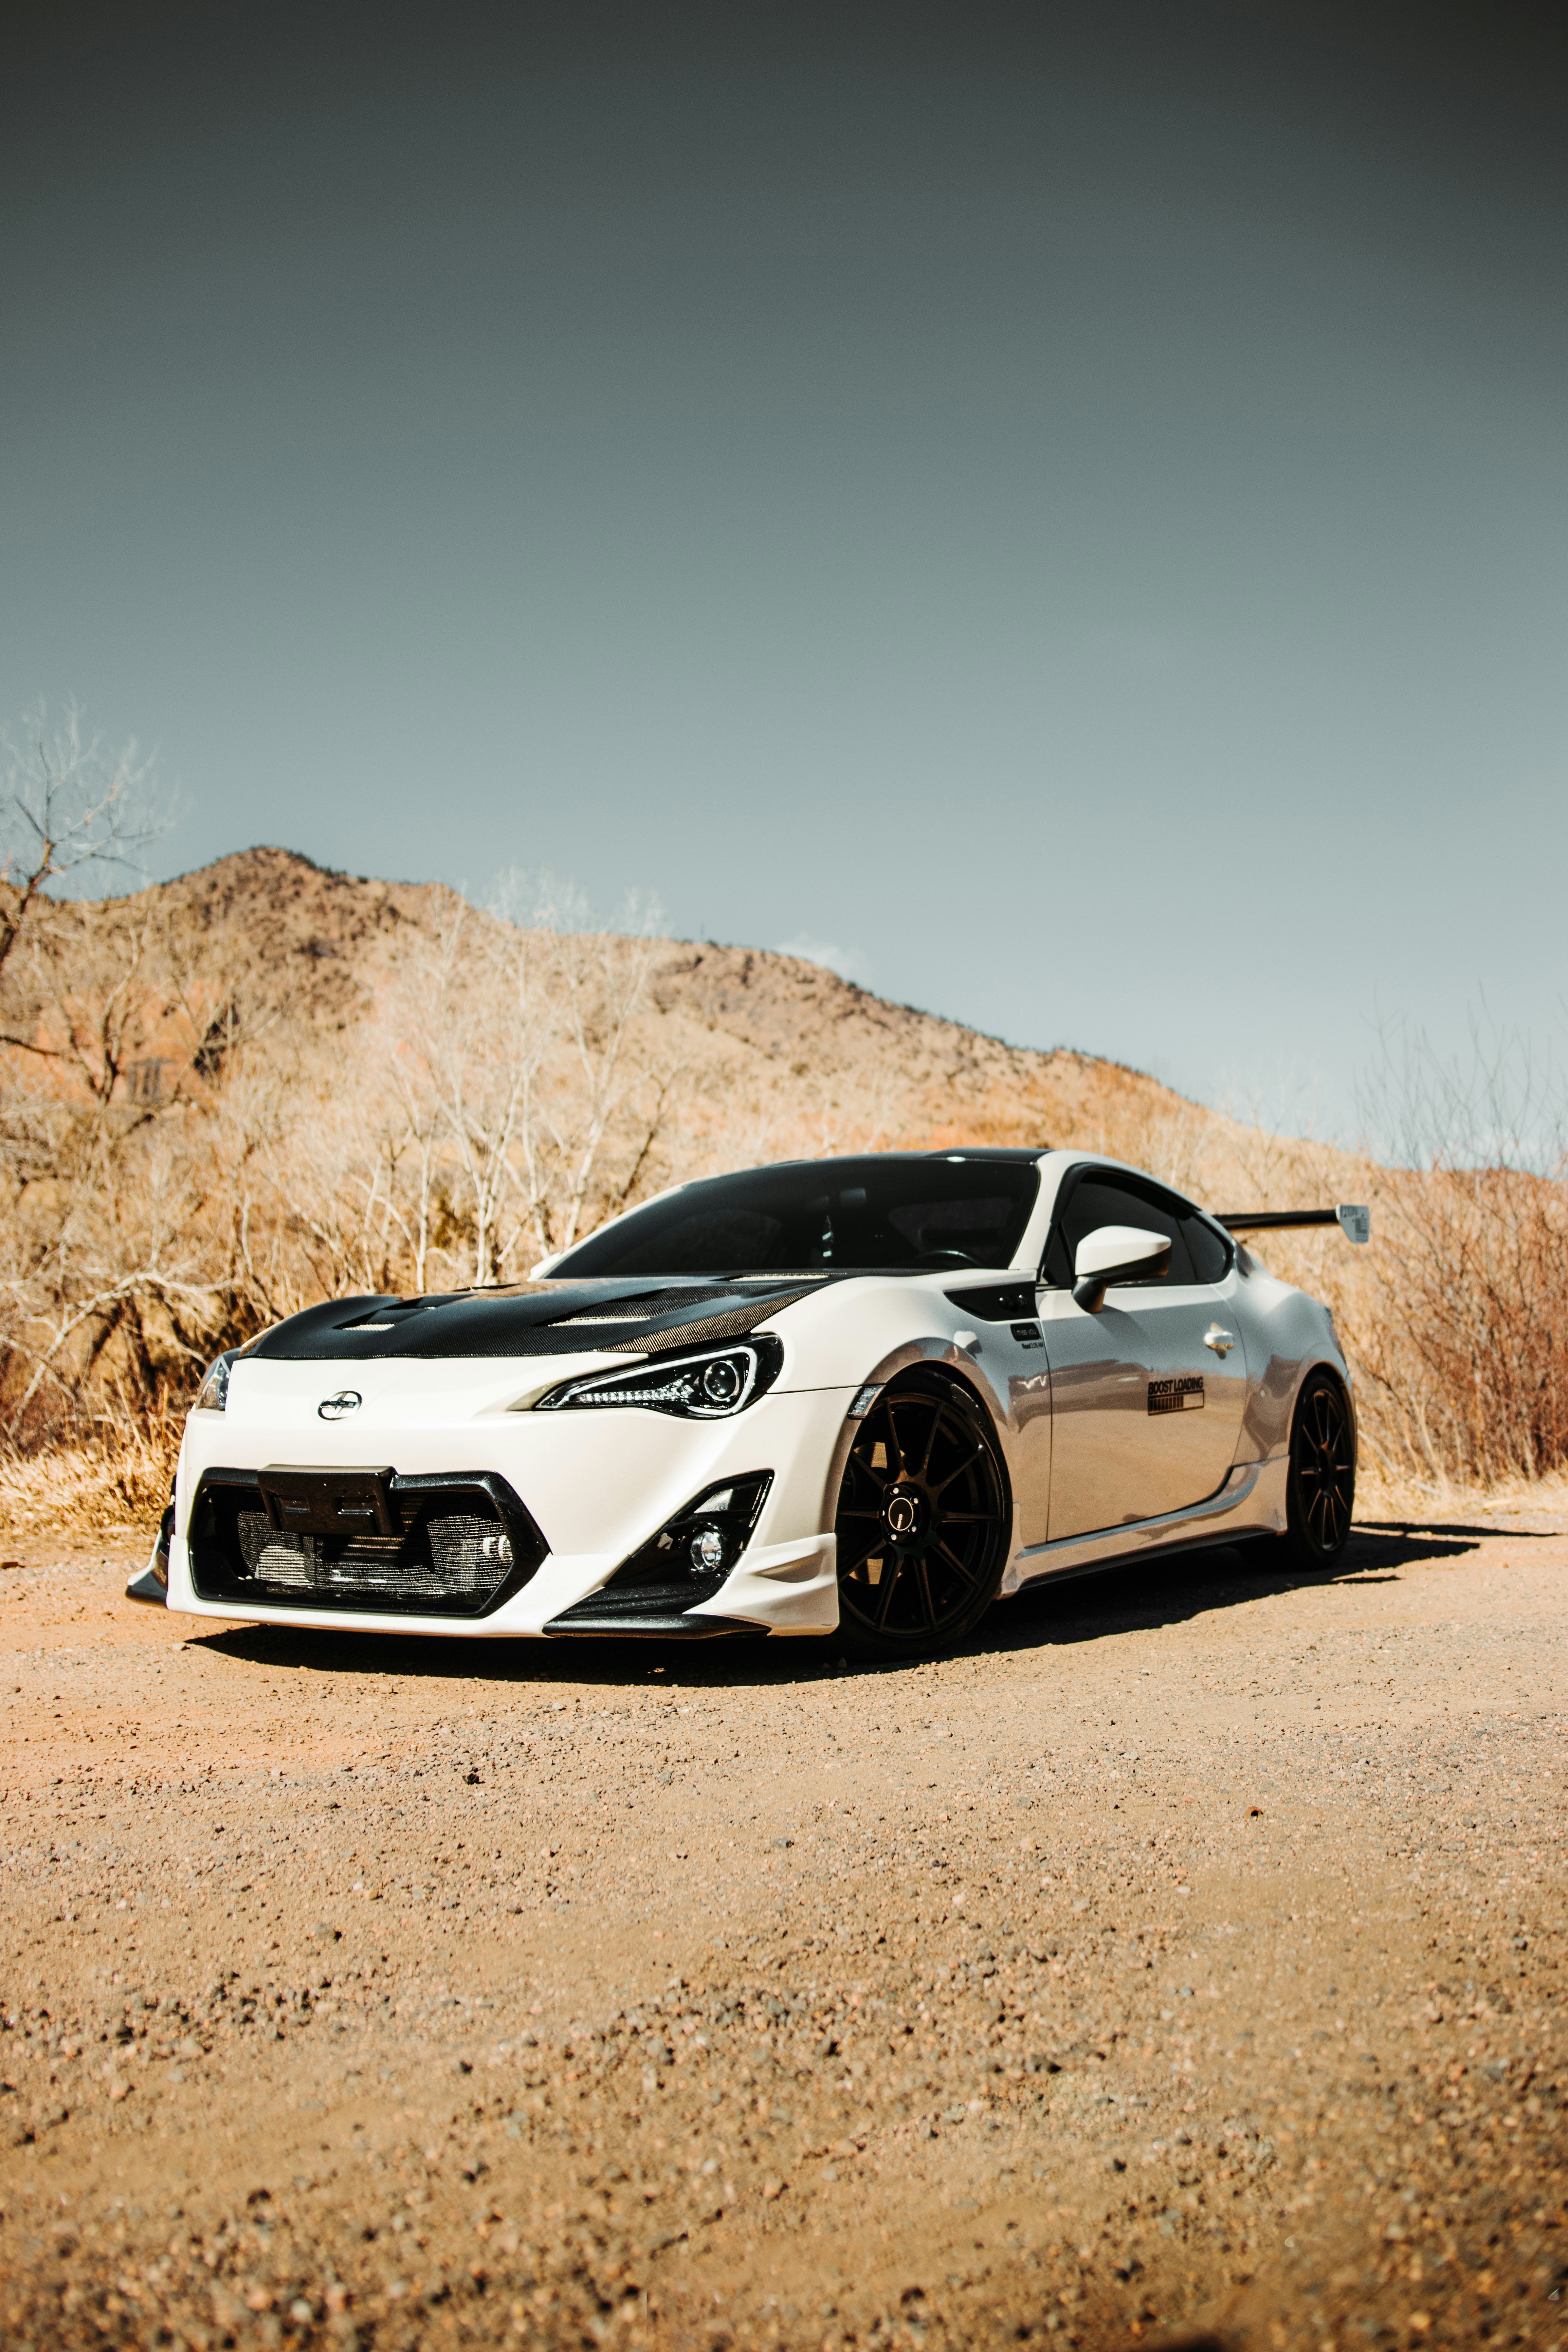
x=1147, y=1396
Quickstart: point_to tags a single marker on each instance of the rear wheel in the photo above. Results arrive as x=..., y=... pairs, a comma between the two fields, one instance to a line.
x=923, y=1521
x=1320, y=1493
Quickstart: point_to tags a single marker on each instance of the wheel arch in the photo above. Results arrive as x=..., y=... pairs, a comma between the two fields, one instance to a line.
x=1320, y=1493
x=942, y=1563
x=917, y=1355
x=1337, y=1373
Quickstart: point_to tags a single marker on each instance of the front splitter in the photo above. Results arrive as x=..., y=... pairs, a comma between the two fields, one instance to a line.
x=666, y=1625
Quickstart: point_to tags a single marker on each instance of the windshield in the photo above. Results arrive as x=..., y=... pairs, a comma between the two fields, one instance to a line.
x=886, y=1213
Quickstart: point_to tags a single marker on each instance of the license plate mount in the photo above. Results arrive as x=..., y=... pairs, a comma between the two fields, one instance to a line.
x=304, y=1501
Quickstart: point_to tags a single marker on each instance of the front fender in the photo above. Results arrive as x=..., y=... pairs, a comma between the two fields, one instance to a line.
x=942, y=1355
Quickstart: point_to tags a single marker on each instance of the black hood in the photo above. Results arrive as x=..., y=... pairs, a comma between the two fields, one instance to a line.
x=529, y=1319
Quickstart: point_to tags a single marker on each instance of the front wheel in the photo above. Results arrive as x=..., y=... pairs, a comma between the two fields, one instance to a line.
x=923, y=1521
x=1321, y=1493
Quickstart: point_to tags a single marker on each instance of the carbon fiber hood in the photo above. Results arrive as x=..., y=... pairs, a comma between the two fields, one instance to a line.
x=531, y=1318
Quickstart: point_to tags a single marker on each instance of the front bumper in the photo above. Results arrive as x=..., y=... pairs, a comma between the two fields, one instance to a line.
x=597, y=1483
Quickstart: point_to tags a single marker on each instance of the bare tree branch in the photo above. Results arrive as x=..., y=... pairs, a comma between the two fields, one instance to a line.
x=68, y=806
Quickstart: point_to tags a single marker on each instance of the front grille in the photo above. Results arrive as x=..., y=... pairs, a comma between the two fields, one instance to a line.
x=460, y=1546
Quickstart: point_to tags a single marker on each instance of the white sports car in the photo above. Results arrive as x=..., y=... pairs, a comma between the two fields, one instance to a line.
x=857, y=1396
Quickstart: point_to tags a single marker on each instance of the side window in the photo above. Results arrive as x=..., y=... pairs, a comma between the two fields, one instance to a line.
x=1102, y=1196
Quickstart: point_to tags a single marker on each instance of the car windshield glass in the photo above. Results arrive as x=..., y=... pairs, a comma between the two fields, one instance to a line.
x=877, y=1215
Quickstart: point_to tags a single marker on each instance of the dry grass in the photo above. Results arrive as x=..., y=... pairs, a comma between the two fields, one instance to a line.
x=116, y=1477
x=1426, y=1502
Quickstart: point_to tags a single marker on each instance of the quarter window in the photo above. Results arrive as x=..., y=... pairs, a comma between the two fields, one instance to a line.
x=1211, y=1252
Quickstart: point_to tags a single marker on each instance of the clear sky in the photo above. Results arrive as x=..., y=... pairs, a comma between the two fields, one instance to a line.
x=1062, y=513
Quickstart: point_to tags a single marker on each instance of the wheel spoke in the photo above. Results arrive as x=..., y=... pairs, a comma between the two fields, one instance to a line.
x=897, y=1446
x=939, y=1486
x=923, y=1578
x=938, y=1414
x=947, y=1552
x=885, y=1597
x=858, y=1557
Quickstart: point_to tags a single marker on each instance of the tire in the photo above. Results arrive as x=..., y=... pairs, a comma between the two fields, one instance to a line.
x=923, y=1516
x=1321, y=1490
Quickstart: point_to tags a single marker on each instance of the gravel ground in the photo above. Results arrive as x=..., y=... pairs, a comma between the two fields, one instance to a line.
x=1186, y=1955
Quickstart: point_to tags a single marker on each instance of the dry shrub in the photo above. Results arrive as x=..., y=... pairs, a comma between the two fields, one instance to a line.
x=1468, y=1357
x=1455, y=1320
x=184, y=1159
x=114, y=1476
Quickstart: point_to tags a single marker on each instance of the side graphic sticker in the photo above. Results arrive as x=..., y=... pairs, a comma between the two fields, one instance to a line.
x=1182, y=1394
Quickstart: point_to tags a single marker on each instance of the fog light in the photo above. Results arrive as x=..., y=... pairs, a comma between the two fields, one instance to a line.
x=497, y=1547
x=707, y=1550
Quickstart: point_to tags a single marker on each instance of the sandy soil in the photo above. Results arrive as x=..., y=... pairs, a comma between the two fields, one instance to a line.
x=1187, y=1954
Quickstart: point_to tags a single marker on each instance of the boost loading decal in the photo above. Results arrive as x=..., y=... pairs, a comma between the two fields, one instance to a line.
x=1185, y=1395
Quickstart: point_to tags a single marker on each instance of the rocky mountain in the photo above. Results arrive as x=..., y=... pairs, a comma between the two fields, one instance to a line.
x=820, y=1046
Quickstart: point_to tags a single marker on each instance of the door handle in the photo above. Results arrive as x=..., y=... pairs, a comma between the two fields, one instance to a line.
x=1219, y=1340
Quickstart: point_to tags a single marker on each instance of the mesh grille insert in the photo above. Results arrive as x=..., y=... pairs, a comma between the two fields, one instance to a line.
x=463, y=1545
x=452, y=1553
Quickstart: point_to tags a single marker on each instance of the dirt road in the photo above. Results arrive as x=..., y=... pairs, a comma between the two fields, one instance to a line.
x=1189, y=1953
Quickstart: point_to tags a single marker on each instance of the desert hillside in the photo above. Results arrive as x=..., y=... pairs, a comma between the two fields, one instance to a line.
x=263, y=1084
x=821, y=1047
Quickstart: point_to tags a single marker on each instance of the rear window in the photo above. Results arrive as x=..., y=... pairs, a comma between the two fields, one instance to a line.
x=880, y=1213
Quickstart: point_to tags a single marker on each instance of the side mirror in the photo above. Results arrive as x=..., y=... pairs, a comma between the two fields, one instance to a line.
x=1116, y=1254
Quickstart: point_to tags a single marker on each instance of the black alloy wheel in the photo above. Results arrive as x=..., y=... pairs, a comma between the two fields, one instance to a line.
x=923, y=1521
x=1321, y=1490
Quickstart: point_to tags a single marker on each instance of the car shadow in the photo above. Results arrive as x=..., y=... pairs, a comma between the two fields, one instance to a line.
x=1140, y=1595
x=1137, y=1596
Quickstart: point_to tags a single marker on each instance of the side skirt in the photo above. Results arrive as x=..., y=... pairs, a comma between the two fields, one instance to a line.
x=1251, y=1502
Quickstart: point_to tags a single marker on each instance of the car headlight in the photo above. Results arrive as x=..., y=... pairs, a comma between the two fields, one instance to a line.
x=707, y=1386
x=212, y=1394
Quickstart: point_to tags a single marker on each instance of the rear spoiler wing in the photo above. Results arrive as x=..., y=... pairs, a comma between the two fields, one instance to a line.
x=1354, y=1221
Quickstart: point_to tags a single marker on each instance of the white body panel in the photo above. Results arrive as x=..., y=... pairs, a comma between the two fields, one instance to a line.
x=1095, y=1473
x=1114, y=1461
x=594, y=1500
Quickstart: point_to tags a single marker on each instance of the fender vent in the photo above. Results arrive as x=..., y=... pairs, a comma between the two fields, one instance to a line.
x=999, y=1302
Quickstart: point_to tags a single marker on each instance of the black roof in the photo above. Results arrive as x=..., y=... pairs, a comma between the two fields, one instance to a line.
x=1028, y=1152
x=1024, y=1155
